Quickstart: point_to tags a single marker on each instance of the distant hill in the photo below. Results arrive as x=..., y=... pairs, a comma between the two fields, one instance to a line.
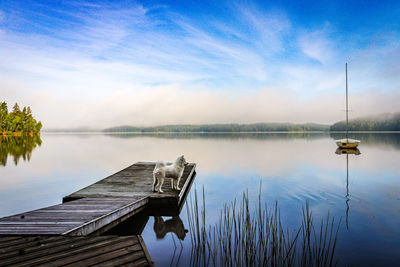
x=224, y=128
x=381, y=122
x=71, y=130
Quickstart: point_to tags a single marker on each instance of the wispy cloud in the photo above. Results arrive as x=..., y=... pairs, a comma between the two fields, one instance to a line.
x=110, y=64
x=267, y=29
x=317, y=45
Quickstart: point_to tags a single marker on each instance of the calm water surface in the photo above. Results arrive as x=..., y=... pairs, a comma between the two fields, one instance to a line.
x=292, y=169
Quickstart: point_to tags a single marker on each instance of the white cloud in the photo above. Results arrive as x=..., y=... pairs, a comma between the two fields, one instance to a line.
x=173, y=105
x=269, y=29
x=317, y=45
x=130, y=66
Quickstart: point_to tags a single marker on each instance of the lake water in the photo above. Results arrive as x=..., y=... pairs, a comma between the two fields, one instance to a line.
x=292, y=169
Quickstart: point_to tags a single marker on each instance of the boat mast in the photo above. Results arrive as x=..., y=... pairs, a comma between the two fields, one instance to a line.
x=347, y=108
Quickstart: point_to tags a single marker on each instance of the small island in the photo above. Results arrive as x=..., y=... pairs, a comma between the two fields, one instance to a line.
x=17, y=122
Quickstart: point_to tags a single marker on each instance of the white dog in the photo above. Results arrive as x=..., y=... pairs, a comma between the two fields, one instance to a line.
x=173, y=171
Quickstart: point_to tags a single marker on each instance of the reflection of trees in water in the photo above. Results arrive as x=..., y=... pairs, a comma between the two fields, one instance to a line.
x=232, y=136
x=391, y=139
x=17, y=146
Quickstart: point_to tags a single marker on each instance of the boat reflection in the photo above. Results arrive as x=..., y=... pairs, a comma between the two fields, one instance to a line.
x=347, y=152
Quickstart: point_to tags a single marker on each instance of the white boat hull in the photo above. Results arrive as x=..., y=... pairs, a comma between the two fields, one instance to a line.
x=347, y=143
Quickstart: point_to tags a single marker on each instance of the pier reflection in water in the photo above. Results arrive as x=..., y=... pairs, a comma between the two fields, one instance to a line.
x=163, y=225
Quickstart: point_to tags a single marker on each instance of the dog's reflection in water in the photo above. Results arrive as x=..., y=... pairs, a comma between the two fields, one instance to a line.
x=174, y=225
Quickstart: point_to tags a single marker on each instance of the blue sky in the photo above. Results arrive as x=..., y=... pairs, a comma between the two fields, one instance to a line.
x=106, y=63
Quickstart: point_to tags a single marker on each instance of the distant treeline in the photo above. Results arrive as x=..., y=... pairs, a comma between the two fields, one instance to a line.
x=224, y=128
x=382, y=122
x=18, y=122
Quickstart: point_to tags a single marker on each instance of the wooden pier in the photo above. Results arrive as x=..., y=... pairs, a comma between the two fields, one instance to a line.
x=88, y=213
x=76, y=218
x=73, y=251
x=136, y=181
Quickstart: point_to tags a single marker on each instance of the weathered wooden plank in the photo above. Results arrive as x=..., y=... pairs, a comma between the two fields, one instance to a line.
x=186, y=187
x=45, y=215
x=138, y=263
x=149, y=260
x=57, y=210
x=30, y=243
x=70, y=208
x=107, y=256
x=39, y=231
x=55, y=229
x=135, y=180
x=75, y=245
x=47, y=244
x=9, y=238
x=91, y=226
x=40, y=223
x=60, y=219
x=103, y=200
x=77, y=257
x=125, y=259
x=12, y=242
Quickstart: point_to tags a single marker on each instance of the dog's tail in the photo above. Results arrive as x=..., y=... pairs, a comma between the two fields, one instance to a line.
x=159, y=164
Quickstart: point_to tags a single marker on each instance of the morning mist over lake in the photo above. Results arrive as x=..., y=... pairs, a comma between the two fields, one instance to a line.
x=186, y=133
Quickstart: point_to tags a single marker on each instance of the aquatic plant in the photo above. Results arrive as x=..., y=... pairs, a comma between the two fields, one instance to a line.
x=246, y=237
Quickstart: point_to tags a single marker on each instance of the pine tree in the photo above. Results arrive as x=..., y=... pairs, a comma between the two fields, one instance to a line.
x=29, y=111
x=16, y=109
x=3, y=107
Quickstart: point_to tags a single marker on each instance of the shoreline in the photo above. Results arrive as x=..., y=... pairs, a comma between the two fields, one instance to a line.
x=266, y=132
x=31, y=134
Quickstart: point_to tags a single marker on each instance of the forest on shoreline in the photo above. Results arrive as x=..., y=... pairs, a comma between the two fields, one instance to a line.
x=223, y=128
x=18, y=122
x=381, y=122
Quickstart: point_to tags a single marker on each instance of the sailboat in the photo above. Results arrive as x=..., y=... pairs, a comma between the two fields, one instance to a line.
x=347, y=142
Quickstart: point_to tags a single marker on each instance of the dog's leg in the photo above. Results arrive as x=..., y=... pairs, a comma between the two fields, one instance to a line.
x=172, y=184
x=154, y=183
x=176, y=184
x=160, y=183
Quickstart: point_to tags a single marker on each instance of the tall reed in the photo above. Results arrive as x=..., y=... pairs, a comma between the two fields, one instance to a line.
x=246, y=237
